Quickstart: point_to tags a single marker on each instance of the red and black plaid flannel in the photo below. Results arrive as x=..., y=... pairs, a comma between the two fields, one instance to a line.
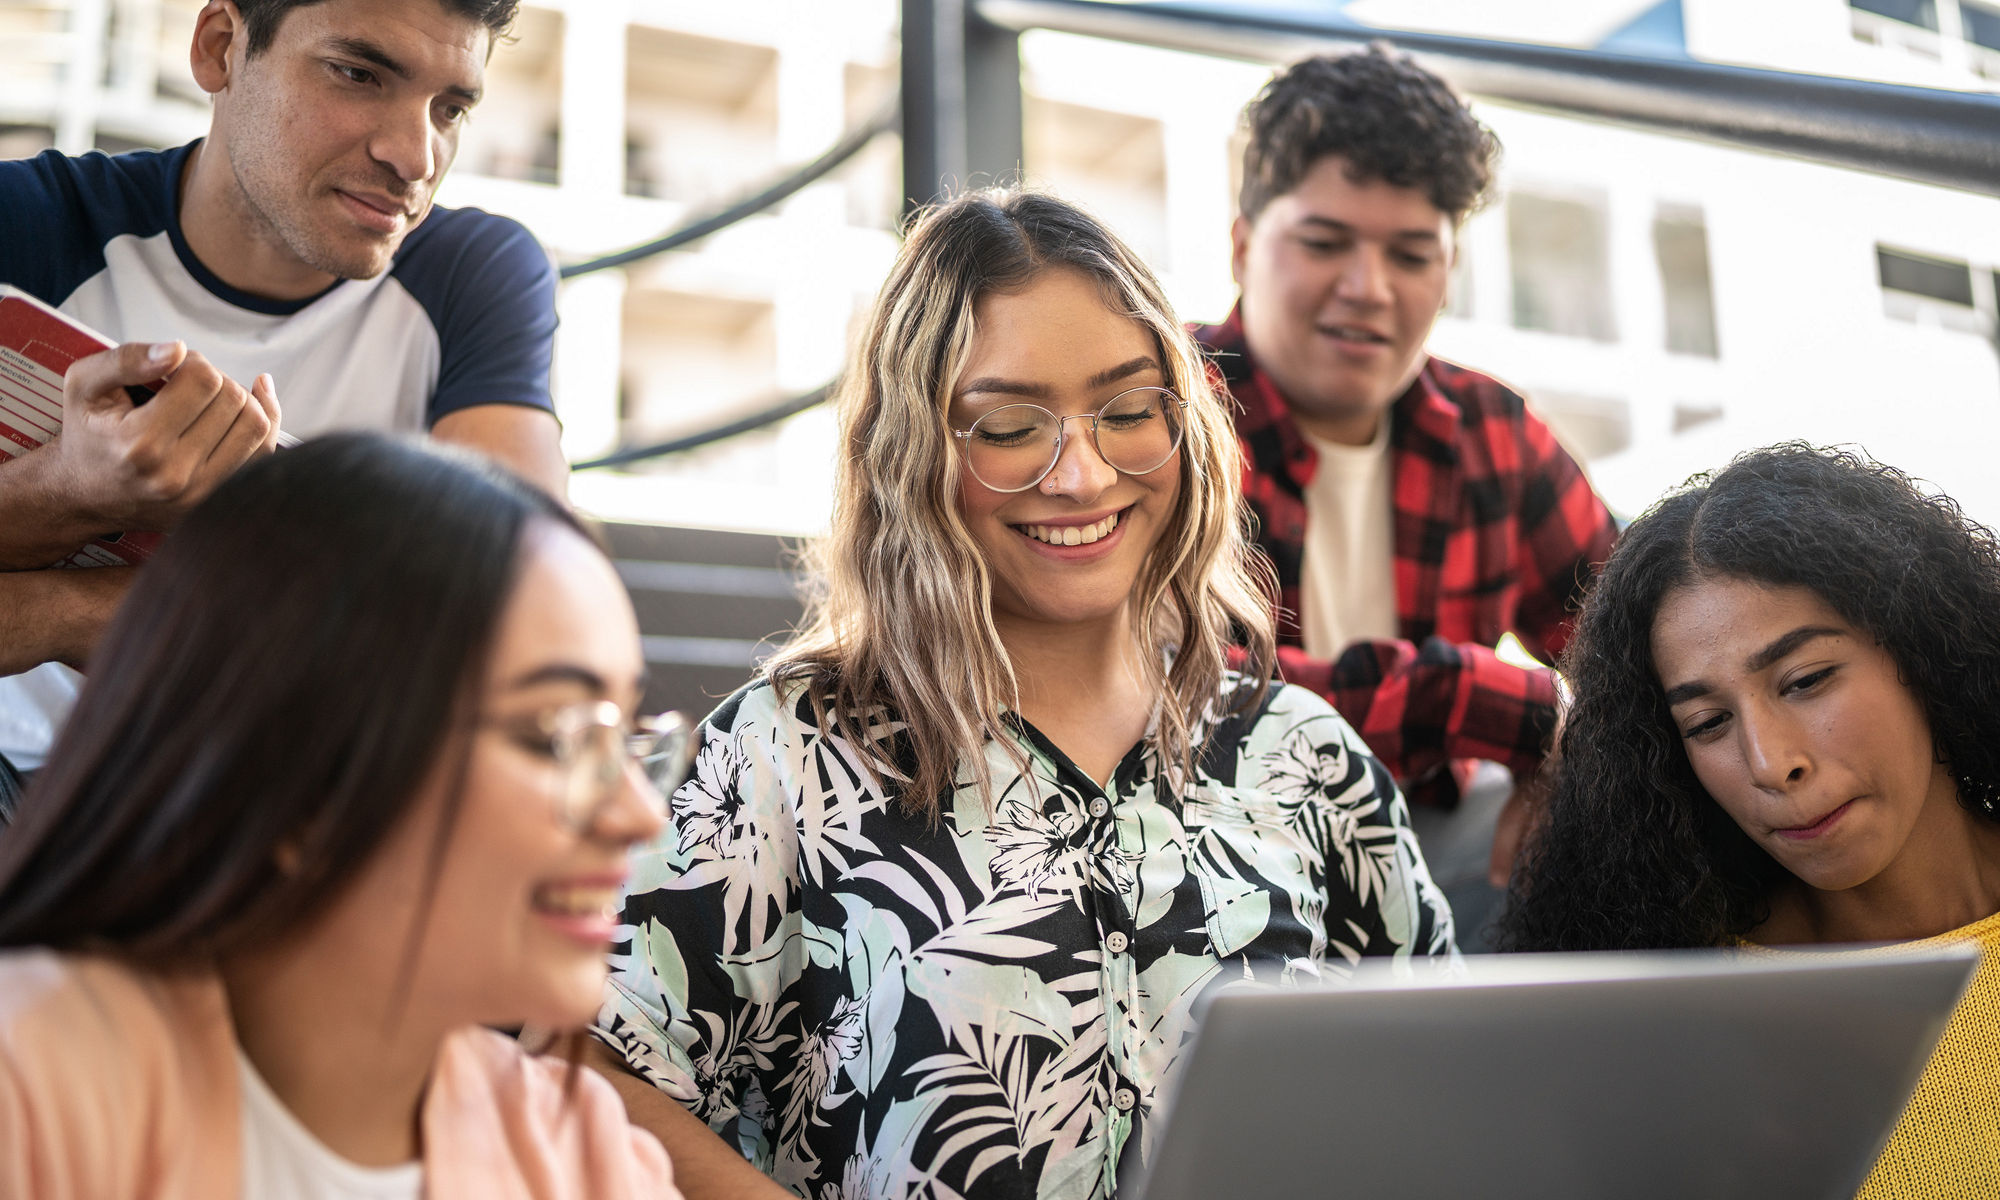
x=1496, y=531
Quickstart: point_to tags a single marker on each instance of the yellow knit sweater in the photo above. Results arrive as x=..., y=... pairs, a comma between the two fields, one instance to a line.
x=1948, y=1140
x=1947, y=1143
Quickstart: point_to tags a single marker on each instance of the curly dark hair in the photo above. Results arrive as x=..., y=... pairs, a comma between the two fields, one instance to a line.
x=1631, y=851
x=1388, y=117
x=261, y=18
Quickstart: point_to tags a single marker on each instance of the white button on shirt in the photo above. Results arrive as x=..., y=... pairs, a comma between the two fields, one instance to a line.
x=1099, y=807
x=1124, y=1099
x=1116, y=942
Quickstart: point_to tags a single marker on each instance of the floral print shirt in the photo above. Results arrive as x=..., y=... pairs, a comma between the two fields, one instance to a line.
x=992, y=1007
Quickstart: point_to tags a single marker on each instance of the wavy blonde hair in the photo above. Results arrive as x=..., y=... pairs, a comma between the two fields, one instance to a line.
x=902, y=614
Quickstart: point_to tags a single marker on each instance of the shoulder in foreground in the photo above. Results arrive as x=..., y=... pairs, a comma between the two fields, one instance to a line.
x=91, y=175
x=92, y=1020
x=487, y=1089
x=31, y=979
x=492, y=1061
x=58, y=212
x=80, y=990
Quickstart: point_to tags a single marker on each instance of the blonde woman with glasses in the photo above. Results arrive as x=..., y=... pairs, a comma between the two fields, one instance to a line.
x=930, y=915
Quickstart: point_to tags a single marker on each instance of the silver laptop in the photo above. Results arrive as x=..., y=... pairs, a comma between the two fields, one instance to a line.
x=1674, y=1075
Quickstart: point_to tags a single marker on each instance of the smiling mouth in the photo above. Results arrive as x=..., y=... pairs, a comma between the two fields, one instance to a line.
x=1354, y=333
x=1072, y=535
x=577, y=900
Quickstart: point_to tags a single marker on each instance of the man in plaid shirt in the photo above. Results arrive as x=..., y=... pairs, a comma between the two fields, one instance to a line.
x=1415, y=511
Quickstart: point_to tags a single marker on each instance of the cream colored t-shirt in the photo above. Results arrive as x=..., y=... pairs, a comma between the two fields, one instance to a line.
x=1347, y=581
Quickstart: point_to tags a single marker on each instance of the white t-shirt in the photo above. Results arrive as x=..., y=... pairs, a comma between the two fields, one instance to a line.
x=1347, y=580
x=282, y=1160
x=465, y=316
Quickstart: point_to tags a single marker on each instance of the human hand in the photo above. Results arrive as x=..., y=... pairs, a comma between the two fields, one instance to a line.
x=132, y=466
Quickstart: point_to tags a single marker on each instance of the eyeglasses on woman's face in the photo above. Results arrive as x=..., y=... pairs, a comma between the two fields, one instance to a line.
x=593, y=748
x=1015, y=446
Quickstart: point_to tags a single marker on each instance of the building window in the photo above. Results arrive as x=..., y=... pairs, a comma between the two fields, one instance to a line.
x=1921, y=275
x=1927, y=290
x=1962, y=34
x=1693, y=414
x=1908, y=25
x=1561, y=266
x=1982, y=36
x=1982, y=25
x=1680, y=244
x=1910, y=12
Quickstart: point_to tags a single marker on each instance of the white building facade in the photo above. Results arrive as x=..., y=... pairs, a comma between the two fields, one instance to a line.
x=1666, y=302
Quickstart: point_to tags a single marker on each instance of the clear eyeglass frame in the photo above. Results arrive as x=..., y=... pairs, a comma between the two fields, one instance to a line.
x=594, y=747
x=966, y=445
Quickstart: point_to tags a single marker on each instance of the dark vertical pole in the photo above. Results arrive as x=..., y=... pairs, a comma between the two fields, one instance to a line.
x=961, y=100
x=992, y=101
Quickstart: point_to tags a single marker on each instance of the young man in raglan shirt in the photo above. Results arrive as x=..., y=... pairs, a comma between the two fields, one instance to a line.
x=295, y=249
x=1416, y=511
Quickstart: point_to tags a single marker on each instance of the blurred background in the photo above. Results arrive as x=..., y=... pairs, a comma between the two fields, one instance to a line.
x=1664, y=301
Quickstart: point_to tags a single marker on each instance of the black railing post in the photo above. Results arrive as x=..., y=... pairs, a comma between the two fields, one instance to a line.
x=961, y=100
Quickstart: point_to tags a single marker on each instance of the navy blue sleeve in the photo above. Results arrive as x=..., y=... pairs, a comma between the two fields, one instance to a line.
x=490, y=292
x=57, y=213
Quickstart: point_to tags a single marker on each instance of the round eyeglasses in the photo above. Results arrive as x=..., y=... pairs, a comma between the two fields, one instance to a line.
x=593, y=747
x=1014, y=447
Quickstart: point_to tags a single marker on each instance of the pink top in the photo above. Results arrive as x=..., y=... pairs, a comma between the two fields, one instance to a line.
x=119, y=1083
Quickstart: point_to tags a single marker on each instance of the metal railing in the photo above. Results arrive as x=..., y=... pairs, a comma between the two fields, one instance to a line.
x=886, y=120
x=776, y=192
x=789, y=407
x=1923, y=134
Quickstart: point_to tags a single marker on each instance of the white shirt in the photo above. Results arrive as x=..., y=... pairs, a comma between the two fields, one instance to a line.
x=465, y=316
x=282, y=1160
x=1347, y=581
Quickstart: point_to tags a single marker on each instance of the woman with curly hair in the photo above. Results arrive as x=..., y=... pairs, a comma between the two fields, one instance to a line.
x=930, y=917
x=1786, y=683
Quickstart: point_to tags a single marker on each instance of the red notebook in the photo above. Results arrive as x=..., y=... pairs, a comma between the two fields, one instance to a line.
x=37, y=346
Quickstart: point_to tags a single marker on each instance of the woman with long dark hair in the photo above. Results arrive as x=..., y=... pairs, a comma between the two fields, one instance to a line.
x=350, y=778
x=1786, y=686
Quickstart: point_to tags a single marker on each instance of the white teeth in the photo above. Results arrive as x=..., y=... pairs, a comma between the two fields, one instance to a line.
x=1071, y=535
x=577, y=901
